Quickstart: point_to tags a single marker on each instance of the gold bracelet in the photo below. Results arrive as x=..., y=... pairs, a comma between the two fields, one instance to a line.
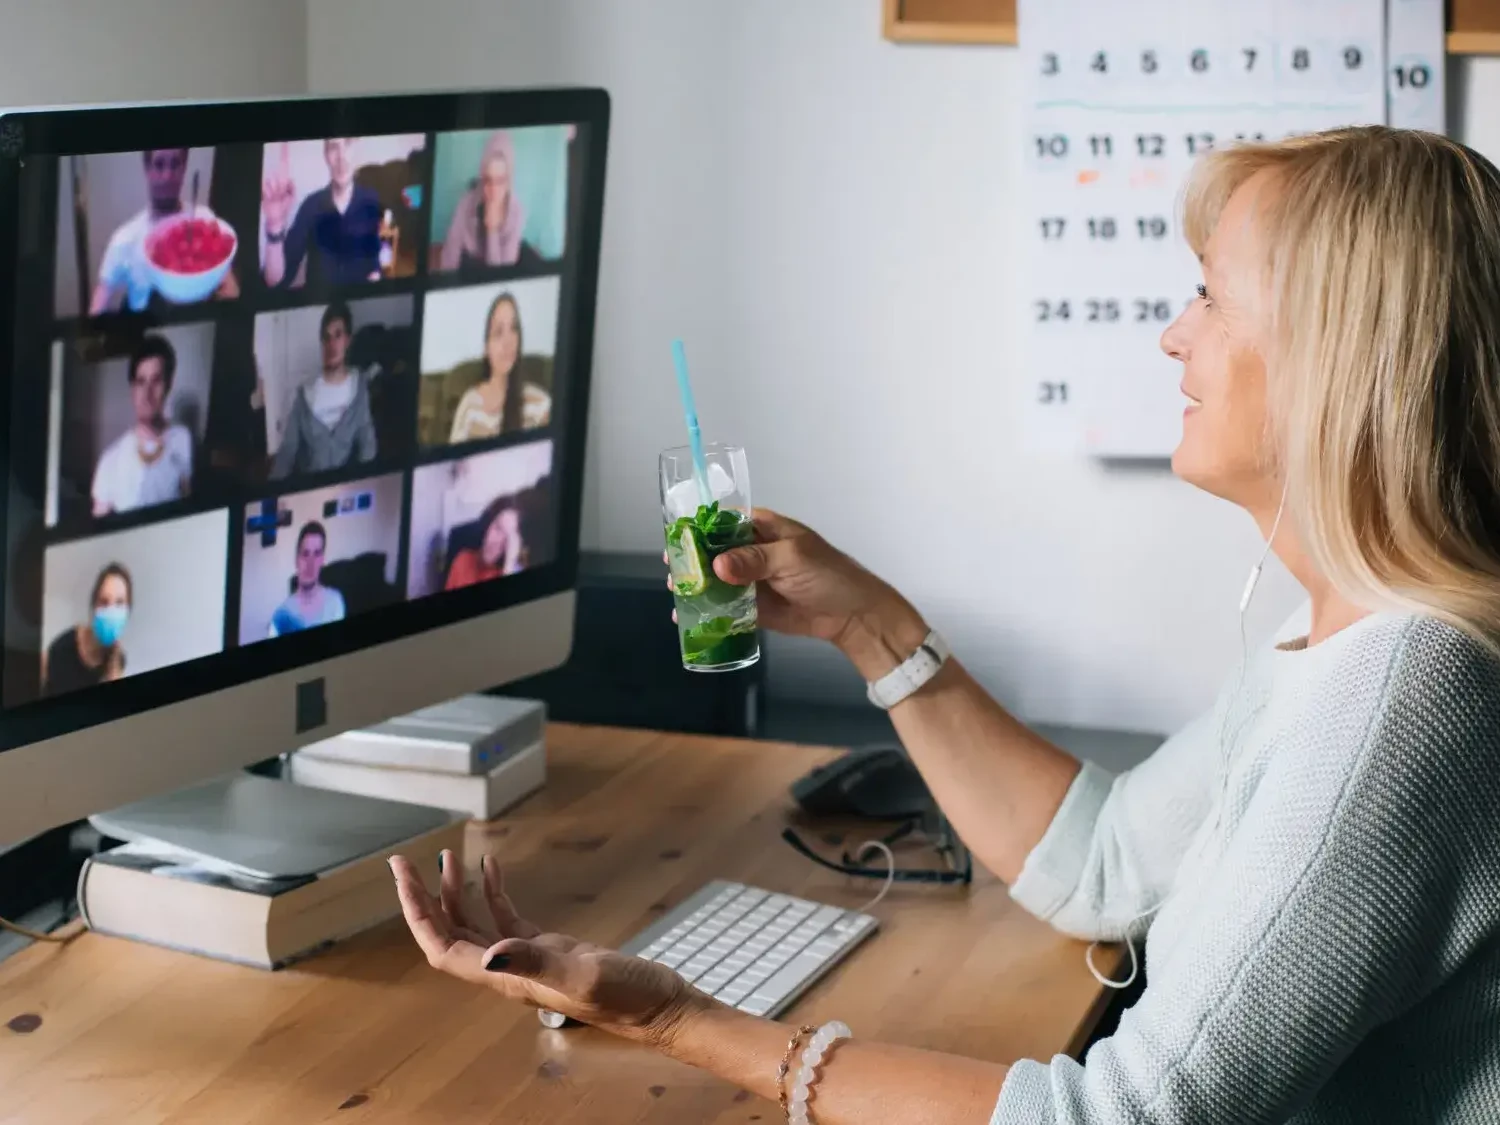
x=786, y=1066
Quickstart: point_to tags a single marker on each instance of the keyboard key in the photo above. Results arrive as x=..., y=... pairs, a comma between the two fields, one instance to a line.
x=789, y=977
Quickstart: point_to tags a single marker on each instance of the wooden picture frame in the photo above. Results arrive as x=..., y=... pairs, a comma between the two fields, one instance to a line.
x=1474, y=25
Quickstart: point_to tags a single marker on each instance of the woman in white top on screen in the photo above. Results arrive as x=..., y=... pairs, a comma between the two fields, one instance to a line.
x=330, y=424
x=1316, y=857
x=152, y=462
x=503, y=402
x=311, y=603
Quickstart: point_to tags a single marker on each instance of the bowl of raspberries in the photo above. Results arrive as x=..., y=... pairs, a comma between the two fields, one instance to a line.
x=188, y=256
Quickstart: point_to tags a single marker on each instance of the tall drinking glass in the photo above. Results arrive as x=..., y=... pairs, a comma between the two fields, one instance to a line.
x=715, y=621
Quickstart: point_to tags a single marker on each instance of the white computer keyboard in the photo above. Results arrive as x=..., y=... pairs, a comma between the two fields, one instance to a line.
x=752, y=949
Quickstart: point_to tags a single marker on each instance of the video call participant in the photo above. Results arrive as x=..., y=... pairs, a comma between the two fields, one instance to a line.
x=90, y=654
x=152, y=462
x=336, y=230
x=502, y=402
x=123, y=267
x=489, y=219
x=311, y=603
x=330, y=424
x=501, y=551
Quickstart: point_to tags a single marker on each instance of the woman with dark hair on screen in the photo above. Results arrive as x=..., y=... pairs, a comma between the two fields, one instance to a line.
x=502, y=402
x=501, y=550
x=90, y=654
x=490, y=219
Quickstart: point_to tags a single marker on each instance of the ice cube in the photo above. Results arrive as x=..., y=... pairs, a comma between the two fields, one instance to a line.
x=683, y=499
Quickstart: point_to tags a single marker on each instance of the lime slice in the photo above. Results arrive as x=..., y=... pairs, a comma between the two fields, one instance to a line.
x=689, y=562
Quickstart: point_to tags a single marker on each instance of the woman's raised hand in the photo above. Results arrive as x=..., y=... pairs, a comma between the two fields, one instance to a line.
x=488, y=943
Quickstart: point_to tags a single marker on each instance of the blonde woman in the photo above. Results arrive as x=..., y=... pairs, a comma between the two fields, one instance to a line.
x=1317, y=858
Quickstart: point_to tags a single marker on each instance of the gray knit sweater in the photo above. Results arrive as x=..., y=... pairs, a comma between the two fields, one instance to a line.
x=1325, y=942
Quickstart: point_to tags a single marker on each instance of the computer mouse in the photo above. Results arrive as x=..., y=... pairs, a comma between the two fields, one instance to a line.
x=878, y=782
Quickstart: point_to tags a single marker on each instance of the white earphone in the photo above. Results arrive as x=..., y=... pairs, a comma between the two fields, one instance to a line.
x=1250, y=583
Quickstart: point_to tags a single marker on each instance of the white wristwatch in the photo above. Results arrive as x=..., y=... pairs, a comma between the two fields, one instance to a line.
x=911, y=673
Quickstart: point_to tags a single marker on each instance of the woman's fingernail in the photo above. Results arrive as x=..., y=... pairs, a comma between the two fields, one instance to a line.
x=498, y=963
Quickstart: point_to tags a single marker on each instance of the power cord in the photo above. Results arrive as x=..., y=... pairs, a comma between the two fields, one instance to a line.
x=67, y=934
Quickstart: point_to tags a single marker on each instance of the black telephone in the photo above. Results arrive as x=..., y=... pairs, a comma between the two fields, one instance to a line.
x=875, y=782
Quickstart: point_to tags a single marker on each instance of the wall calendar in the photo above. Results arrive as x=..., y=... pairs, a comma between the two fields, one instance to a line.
x=1120, y=99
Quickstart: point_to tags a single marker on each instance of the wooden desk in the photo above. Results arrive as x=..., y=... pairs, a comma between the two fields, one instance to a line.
x=104, y=1031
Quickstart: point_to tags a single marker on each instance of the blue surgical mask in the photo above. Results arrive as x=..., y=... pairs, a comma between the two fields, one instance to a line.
x=109, y=623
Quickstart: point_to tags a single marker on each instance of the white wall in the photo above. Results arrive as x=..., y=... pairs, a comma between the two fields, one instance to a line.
x=68, y=51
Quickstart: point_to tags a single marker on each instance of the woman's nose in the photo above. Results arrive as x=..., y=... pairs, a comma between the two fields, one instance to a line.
x=1174, y=341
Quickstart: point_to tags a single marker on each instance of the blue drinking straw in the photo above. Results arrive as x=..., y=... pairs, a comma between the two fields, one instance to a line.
x=690, y=413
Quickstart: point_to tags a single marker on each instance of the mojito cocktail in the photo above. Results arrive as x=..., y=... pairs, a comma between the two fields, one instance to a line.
x=716, y=621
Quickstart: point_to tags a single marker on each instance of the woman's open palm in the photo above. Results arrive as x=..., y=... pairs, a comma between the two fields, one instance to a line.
x=490, y=944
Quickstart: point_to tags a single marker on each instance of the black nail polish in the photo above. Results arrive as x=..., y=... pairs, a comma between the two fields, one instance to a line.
x=498, y=963
x=440, y=863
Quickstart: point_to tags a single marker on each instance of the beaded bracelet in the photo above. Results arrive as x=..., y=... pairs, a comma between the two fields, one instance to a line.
x=812, y=1058
x=786, y=1065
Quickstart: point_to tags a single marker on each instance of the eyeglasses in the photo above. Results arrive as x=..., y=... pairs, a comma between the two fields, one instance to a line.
x=958, y=865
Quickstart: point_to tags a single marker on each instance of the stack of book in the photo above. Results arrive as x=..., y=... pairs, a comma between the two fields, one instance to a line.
x=478, y=755
x=147, y=890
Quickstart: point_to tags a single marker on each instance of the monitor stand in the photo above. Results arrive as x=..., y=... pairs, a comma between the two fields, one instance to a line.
x=270, y=828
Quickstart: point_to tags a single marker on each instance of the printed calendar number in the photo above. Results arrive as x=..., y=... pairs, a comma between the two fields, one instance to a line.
x=1353, y=58
x=1052, y=394
x=1250, y=57
x=1101, y=228
x=1054, y=145
x=1152, y=227
x=1049, y=62
x=1301, y=58
x=1101, y=144
x=1053, y=227
x=1148, y=310
x=1053, y=310
x=1198, y=61
x=1102, y=311
x=1199, y=143
x=1099, y=64
x=1412, y=77
x=1150, y=144
x=1149, y=64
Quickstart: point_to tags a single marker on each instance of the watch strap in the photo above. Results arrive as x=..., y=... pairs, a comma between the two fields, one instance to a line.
x=911, y=673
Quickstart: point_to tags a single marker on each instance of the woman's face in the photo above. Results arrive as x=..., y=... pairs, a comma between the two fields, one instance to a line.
x=1217, y=340
x=503, y=340
x=497, y=537
x=113, y=594
x=496, y=186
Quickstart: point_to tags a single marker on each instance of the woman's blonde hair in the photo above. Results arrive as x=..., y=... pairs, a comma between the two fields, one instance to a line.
x=1382, y=268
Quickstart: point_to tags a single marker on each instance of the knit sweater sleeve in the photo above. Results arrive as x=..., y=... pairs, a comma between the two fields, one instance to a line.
x=1355, y=885
x=1114, y=845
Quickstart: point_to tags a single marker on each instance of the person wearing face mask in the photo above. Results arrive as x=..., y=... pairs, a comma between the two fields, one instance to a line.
x=90, y=653
x=490, y=219
x=502, y=402
x=501, y=551
x=311, y=603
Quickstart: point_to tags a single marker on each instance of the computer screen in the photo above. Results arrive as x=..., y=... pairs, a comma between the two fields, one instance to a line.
x=277, y=394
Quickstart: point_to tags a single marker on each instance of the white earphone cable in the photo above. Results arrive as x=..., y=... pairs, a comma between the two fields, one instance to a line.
x=1250, y=584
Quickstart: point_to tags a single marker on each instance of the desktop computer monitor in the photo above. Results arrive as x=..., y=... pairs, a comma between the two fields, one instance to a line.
x=296, y=394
